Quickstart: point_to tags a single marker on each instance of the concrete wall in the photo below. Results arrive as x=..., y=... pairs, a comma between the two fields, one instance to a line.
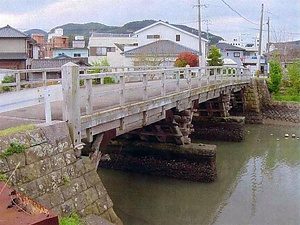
x=50, y=174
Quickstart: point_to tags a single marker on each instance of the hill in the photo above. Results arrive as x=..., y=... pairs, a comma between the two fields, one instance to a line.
x=86, y=29
x=36, y=31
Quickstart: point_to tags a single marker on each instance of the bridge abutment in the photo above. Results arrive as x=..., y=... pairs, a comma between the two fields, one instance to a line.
x=50, y=173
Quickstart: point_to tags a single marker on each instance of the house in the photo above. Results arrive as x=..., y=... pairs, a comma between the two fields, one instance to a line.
x=71, y=52
x=231, y=52
x=250, y=60
x=109, y=46
x=16, y=49
x=157, y=53
x=162, y=31
x=285, y=52
x=55, y=40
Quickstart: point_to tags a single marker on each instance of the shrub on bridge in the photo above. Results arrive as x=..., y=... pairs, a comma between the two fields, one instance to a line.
x=8, y=79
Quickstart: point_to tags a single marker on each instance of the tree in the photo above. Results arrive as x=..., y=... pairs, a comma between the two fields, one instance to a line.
x=214, y=57
x=103, y=63
x=294, y=76
x=274, y=83
x=186, y=58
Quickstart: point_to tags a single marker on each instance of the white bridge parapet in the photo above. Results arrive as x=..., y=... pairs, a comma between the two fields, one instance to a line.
x=96, y=100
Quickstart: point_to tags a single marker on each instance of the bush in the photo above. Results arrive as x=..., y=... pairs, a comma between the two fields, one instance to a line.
x=294, y=77
x=8, y=79
x=13, y=148
x=274, y=83
x=73, y=219
x=186, y=58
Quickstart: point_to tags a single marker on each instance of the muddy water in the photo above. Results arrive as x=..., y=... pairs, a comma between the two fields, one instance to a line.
x=258, y=183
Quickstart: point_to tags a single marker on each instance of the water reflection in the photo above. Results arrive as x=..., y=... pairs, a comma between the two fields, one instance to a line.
x=258, y=183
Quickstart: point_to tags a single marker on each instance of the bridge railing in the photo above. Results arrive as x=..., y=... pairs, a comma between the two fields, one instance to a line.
x=82, y=95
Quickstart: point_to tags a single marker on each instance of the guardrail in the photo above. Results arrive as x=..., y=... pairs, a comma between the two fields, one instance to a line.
x=85, y=91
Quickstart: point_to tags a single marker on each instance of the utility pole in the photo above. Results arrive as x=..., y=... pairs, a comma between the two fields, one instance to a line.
x=268, y=44
x=260, y=37
x=207, y=22
x=199, y=33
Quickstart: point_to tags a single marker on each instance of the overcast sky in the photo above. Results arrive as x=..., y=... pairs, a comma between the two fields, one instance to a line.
x=222, y=20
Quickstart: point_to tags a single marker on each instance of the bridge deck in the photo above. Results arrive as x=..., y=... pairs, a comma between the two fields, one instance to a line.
x=112, y=102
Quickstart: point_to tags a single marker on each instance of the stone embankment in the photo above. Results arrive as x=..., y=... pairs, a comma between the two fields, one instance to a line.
x=195, y=162
x=288, y=112
x=259, y=107
x=50, y=173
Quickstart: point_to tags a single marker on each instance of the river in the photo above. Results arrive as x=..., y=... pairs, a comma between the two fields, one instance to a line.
x=258, y=183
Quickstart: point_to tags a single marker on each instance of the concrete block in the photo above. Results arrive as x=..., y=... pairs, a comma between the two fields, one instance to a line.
x=70, y=157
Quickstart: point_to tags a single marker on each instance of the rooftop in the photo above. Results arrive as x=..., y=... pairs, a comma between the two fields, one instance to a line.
x=161, y=47
x=9, y=32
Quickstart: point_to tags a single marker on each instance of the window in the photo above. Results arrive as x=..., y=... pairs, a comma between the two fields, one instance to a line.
x=101, y=51
x=77, y=55
x=153, y=36
x=236, y=54
x=177, y=37
x=110, y=49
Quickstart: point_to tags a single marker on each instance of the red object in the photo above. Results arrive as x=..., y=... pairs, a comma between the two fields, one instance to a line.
x=12, y=215
x=190, y=58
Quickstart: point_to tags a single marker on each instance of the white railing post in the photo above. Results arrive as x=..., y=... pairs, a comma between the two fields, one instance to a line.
x=145, y=86
x=188, y=76
x=89, y=94
x=47, y=95
x=122, y=89
x=71, y=103
x=18, y=81
x=163, y=84
x=44, y=77
x=199, y=75
x=177, y=81
x=215, y=74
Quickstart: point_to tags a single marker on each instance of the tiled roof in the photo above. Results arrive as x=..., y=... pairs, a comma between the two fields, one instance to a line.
x=13, y=56
x=56, y=63
x=161, y=47
x=228, y=47
x=9, y=32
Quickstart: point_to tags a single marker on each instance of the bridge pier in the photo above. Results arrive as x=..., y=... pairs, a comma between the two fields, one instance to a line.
x=212, y=120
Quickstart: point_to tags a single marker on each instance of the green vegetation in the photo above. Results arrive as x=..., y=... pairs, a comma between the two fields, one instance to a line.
x=73, y=219
x=294, y=77
x=104, y=63
x=13, y=148
x=287, y=89
x=8, y=79
x=66, y=180
x=276, y=74
x=4, y=178
x=214, y=57
x=18, y=129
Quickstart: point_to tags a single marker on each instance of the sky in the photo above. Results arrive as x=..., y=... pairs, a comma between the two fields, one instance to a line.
x=226, y=18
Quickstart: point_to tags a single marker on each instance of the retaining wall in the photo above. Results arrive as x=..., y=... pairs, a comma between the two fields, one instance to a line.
x=50, y=173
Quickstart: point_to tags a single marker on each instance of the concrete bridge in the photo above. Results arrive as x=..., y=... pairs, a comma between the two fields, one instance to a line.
x=132, y=99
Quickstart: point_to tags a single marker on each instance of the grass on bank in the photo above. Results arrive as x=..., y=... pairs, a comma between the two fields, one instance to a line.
x=288, y=98
x=73, y=219
x=18, y=129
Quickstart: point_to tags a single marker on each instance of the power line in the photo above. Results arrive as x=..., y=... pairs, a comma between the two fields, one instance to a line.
x=239, y=13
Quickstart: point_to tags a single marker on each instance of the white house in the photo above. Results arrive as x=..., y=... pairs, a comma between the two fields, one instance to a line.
x=109, y=46
x=157, y=53
x=231, y=52
x=164, y=31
